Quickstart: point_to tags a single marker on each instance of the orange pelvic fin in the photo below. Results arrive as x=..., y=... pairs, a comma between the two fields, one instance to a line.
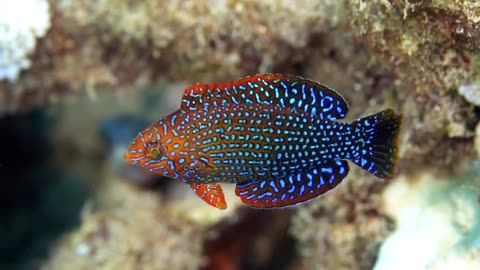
x=211, y=194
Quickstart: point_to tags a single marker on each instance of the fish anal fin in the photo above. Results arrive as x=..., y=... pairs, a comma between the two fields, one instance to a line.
x=294, y=189
x=211, y=194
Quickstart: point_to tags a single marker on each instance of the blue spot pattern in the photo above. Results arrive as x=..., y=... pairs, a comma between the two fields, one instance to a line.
x=270, y=89
x=274, y=135
x=294, y=189
x=376, y=147
x=264, y=143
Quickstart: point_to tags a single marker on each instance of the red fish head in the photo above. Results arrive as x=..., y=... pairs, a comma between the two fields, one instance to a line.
x=148, y=151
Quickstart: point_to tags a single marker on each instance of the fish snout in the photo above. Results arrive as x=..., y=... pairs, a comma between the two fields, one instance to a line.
x=135, y=153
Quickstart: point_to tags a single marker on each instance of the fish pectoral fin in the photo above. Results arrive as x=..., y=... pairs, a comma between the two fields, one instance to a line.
x=211, y=194
x=293, y=189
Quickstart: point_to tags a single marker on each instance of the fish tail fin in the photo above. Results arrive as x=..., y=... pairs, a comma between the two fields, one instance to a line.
x=377, y=148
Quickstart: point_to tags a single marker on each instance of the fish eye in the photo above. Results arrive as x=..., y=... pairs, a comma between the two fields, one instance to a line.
x=155, y=152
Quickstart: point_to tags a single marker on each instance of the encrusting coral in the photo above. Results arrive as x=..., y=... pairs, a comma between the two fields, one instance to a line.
x=437, y=223
x=126, y=45
x=346, y=226
x=133, y=232
x=19, y=29
x=431, y=49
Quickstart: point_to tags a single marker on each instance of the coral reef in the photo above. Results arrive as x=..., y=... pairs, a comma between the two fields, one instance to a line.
x=134, y=232
x=125, y=45
x=128, y=213
x=419, y=57
x=346, y=226
x=19, y=29
x=139, y=229
x=415, y=55
x=430, y=42
x=431, y=48
x=437, y=223
x=258, y=240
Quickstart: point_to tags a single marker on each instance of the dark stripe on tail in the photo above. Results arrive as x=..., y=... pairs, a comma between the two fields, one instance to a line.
x=377, y=150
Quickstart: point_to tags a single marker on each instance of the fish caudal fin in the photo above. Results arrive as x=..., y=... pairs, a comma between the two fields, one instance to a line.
x=211, y=194
x=377, y=148
x=293, y=189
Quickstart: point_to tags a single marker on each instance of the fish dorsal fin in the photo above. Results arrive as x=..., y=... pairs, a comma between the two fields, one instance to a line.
x=293, y=189
x=211, y=194
x=270, y=89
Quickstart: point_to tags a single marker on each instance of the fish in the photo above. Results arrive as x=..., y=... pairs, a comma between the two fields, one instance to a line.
x=278, y=137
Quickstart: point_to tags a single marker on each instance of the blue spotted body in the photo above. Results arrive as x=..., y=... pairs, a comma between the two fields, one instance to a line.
x=276, y=136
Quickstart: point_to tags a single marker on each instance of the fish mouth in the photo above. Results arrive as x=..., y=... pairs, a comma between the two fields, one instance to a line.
x=132, y=159
x=136, y=151
x=138, y=155
x=159, y=165
x=142, y=160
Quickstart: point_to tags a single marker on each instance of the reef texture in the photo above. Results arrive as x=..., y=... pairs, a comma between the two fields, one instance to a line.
x=133, y=232
x=437, y=223
x=128, y=45
x=19, y=29
x=171, y=229
x=431, y=48
x=345, y=226
x=413, y=56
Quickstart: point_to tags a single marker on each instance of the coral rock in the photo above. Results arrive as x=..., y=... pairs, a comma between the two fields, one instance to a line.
x=21, y=23
x=437, y=223
x=134, y=233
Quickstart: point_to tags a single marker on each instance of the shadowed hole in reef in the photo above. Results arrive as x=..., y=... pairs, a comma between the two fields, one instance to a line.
x=38, y=201
x=258, y=240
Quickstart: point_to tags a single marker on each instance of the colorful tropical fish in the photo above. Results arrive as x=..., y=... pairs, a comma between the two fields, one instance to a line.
x=276, y=136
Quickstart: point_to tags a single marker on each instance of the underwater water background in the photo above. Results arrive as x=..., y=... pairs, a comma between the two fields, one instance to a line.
x=80, y=79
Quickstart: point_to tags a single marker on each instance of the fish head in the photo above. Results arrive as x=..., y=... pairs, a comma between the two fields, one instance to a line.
x=148, y=151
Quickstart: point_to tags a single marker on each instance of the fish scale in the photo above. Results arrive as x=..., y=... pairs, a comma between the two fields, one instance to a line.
x=276, y=136
x=266, y=151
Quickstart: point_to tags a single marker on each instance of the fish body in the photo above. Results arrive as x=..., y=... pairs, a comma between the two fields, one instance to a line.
x=277, y=137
